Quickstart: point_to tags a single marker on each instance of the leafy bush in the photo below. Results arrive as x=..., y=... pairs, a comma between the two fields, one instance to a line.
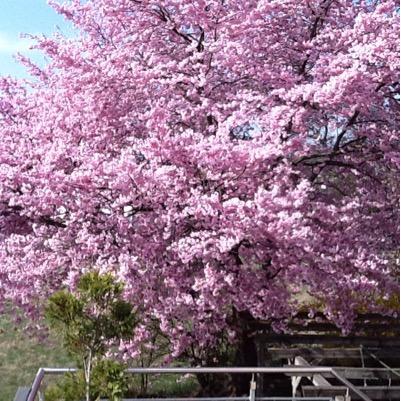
x=70, y=388
x=110, y=380
x=89, y=322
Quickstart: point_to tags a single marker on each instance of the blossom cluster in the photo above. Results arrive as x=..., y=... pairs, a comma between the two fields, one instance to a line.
x=217, y=156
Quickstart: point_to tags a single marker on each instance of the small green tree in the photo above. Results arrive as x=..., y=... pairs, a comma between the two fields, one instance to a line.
x=90, y=320
x=110, y=380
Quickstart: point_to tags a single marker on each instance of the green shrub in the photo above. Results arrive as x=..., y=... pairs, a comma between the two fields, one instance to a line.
x=89, y=322
x=110, y=380
x=70, y=388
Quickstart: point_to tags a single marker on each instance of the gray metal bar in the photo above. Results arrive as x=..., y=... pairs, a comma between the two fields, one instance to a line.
x=229, y=399
x=310, y=370
x=293, y=399
x=59, y=371
x=384, y=364
x=36, y=385
x=305, y=370
x=350, y=385
x=39, y=377
x=191, y=399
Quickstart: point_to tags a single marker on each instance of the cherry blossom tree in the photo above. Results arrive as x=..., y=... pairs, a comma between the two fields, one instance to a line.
x=222, y=158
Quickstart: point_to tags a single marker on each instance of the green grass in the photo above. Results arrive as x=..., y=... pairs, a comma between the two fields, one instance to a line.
x=159, y=386
x=173, y=385
x=21, y=357
x=166, y=385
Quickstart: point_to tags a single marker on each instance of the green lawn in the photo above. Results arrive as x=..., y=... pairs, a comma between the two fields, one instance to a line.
x=21, y=356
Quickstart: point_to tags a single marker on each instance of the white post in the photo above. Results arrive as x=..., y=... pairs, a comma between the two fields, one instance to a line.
x=295, y=380
x=252, y=389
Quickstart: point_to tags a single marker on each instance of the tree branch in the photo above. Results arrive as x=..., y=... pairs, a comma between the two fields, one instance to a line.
x=350, y=122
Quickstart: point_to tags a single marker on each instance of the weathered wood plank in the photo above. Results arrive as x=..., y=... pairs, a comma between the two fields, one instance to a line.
x=321, y=318
x=359, y=373
x=370, y=327
x=327, y=353
x=374, y=392
x=332, y=340
x=366, y=325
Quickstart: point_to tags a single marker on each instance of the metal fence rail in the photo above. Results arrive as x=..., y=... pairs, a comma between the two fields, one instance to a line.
x=234, y=399
x=289, y=370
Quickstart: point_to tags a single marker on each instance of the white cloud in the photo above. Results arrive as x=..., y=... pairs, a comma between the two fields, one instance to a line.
x=11, y=45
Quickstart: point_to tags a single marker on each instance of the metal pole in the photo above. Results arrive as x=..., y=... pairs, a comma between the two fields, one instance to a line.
x=384, y=364
x=350, y=385
x=39, y=377
x=298, y=370
x=307, y=370
x=36, y=384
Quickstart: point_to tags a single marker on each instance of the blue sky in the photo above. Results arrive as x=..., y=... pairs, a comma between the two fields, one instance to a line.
x=24, y=16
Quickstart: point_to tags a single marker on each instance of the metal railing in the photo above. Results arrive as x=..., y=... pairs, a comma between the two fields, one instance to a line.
x=234, y=399
x=288, y=370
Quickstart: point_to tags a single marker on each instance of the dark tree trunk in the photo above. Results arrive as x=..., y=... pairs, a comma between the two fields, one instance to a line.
x=246, y=352
x=215, y=385
x=246, y=356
